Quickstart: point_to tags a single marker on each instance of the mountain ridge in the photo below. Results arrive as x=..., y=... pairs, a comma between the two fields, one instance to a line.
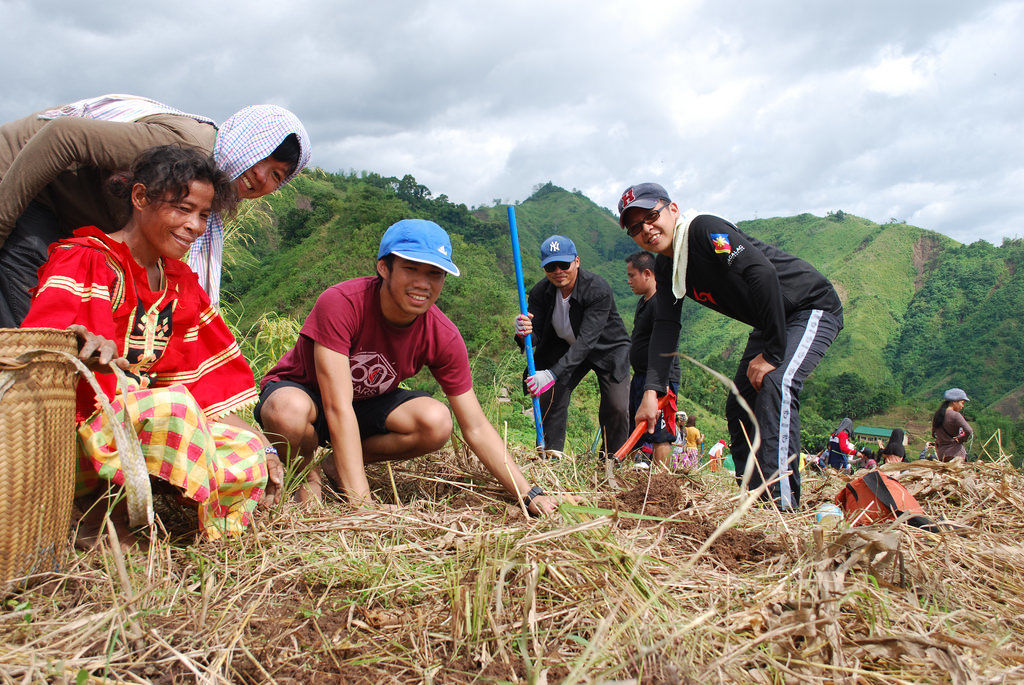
x=922, y=311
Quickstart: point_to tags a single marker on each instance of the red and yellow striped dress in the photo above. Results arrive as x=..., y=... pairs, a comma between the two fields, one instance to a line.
x=189, y=368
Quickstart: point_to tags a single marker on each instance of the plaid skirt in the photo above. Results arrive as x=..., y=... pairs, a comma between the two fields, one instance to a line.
x=220, y=467
x=685, y=458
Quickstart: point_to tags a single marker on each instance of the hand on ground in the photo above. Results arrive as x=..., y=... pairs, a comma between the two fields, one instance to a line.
x=543, y=505
x=275, y=481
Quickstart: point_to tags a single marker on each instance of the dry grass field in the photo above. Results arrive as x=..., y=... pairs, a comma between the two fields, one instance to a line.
x=653, y=577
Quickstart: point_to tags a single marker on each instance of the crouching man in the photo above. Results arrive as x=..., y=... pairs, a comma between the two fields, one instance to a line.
x=339, y=385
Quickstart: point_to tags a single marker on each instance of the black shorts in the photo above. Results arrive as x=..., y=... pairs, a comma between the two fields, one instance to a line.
x=371, y=413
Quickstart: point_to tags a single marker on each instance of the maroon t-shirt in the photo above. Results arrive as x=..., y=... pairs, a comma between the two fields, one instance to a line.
x=347, y=319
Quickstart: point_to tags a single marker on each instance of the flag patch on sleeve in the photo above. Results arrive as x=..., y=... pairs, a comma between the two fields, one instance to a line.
x=721, y=243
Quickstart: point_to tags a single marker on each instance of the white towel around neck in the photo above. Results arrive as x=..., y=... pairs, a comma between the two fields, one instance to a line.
x=681, y=249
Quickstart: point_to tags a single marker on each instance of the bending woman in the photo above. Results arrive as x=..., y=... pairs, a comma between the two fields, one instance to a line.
x=840, y=449
x=895, y=450
x=127, y=294
x=950, y=428
x=54, y=168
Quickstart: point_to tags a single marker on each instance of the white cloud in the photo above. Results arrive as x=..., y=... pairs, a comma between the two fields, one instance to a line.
x=908, y=109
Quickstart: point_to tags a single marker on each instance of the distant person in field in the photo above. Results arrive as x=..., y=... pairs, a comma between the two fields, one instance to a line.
x=127, y=294
x=640, y=277
x=794, y=311
x=694, y=439
x=841, y=450
x=715, y=455
x=54, y=167
x=576, y=328
x=949, y=427
x=895, y=450
x=339, y=385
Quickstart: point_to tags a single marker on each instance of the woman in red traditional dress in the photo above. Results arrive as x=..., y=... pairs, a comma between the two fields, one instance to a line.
x=128, y=295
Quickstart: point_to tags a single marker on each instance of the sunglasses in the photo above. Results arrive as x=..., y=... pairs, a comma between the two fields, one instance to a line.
x=649, y=218
x=551, y=267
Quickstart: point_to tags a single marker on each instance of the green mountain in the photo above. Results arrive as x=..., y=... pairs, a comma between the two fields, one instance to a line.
x=922, y=312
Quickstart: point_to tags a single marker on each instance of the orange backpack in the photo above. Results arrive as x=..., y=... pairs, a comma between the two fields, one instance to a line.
x=877, y=497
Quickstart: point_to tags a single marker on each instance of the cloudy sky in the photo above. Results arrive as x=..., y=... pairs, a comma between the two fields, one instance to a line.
x=896, y=109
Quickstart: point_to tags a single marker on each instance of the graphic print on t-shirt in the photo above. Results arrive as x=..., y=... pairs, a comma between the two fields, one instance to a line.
x=372, y=375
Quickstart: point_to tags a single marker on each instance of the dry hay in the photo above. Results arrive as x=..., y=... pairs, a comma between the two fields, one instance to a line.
x=459, y=586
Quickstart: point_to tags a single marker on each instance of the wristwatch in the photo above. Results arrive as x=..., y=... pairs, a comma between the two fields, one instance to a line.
x=535, y=491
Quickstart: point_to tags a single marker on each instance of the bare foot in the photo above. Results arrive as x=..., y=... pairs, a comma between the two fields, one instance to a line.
x=310, y=494
x=92, y=530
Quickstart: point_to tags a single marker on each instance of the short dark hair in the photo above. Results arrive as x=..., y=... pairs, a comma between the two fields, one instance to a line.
x=167, y=171
x=389, y=261
x=641, y=261
x=288, y=151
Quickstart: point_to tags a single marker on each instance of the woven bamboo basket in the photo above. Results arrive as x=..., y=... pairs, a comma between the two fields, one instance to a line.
x=37, y=449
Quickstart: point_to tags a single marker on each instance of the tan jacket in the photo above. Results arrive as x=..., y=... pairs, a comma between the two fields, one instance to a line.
x=65, y=163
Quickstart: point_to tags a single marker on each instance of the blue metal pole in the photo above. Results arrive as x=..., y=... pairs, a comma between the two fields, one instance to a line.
x=528, y=342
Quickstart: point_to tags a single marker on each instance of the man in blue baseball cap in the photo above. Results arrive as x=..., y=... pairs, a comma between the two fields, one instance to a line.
x=576, y=328
x=339, y=385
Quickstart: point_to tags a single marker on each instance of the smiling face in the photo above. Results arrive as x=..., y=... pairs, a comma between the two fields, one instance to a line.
x=262, y=178
x=409, y=290
x=563, y=274
x=168, y=229
x=657, y=236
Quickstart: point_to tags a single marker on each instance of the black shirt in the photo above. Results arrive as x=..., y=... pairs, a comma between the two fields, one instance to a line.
x=601, y=338
x=741, y=277
x=643, y=325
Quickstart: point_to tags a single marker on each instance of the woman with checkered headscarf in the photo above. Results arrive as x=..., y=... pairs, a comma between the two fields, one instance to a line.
x=54, y=166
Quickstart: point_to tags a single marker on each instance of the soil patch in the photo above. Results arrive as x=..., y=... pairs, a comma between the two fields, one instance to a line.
x=658, y=496
x=663, y=495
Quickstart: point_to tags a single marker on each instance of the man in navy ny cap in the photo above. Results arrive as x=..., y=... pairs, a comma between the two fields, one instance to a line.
x=339, y=385
x=794, y=311
x=576, y=328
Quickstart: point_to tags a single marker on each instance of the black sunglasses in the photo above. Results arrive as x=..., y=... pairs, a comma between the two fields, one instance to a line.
x=649, y=218
x=550, y=267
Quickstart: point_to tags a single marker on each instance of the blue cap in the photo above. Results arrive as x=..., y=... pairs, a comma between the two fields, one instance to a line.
x=557, y=248
x=419, y=240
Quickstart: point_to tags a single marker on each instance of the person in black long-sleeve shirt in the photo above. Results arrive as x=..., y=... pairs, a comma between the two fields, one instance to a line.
x=794, y=311
x=640, y=276
x=575, y=328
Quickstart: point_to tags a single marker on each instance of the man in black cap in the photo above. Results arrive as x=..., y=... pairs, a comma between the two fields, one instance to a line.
x=575, y=328
x=794, y=311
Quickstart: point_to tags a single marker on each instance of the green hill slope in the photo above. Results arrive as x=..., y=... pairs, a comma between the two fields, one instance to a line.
x=922, y=312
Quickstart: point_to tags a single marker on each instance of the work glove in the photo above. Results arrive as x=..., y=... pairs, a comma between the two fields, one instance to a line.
x=539, y=382
x=523, y=326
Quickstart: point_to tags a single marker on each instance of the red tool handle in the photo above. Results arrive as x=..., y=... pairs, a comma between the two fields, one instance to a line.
x=637, y=432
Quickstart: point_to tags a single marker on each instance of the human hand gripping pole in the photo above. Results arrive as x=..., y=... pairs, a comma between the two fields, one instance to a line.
x=527, y=341
x=539, y=382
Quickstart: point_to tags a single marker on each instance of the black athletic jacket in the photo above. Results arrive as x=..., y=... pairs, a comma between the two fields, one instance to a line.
x=601, y=339
x=741, y=277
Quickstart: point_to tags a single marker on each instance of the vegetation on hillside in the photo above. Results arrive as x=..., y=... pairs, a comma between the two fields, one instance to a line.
x=922, y=313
